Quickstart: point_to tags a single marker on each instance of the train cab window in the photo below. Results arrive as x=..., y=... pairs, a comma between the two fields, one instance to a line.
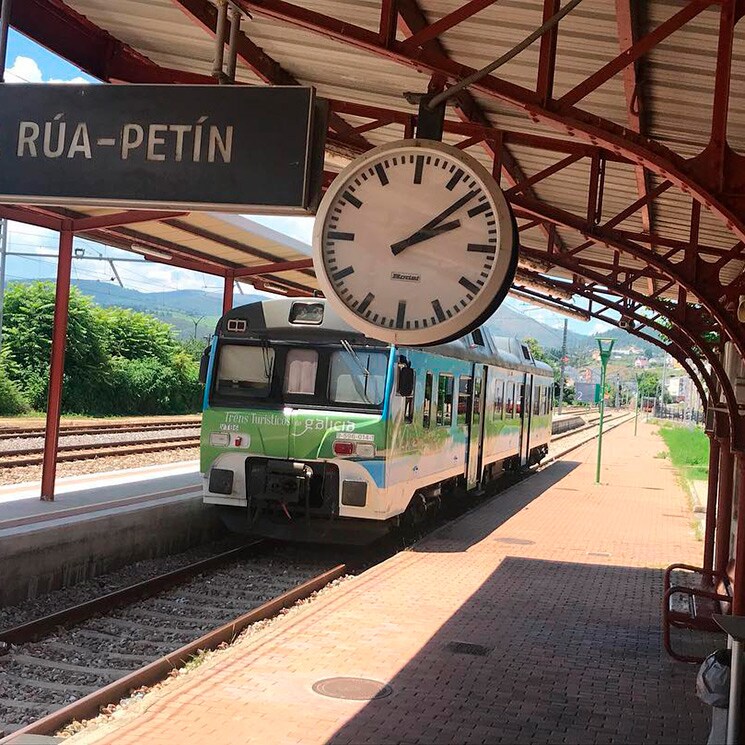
x=499, y=400
x=477, y=337
x=464, y=400
x=427, y=406
x=409, y=402
x=358, y=378
x=509, y=402
x=244, y=371
x=445, y=385
x=301, y=366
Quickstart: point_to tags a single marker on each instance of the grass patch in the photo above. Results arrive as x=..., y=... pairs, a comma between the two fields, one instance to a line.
x=689, y=450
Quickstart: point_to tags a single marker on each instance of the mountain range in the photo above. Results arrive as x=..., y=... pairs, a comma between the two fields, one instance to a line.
x=195, y=313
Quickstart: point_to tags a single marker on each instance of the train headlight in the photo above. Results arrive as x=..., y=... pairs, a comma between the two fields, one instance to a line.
x=365, y=450
x=219, y=439
x=343, y=448
x=360, y=449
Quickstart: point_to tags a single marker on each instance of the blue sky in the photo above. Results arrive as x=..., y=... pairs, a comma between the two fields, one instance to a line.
x=29, y=62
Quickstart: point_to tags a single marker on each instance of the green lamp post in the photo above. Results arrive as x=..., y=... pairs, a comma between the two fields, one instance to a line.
x=605, y=346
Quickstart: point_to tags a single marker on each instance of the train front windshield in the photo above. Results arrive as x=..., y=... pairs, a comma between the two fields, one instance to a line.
x=351, y=378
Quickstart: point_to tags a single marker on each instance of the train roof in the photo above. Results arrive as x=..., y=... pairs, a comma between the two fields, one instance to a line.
x=294, y=319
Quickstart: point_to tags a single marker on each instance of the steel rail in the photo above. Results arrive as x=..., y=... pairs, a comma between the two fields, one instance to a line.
x=95, y=428
x=86, y=452
x=156, y=671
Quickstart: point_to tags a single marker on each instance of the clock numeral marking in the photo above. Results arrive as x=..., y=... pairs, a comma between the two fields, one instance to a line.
x=484, y=248
x=335, y=235
x=400, y=314
x=438, y=310
x=456, y=177
x=382, y=175
x=351, y=199
x=478, y=209
x=470, y=286
x=343, y=273
x=418, y=168
x=366, y=302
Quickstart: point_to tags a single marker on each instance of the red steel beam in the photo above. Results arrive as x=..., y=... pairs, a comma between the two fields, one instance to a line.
x=547, y=54
x=544, y=174
x=724, y=507
x=388, y=22
x=122, y=218
x=433, y=30
x=30, y=217
x=227, y=293
x=636, y=50
x=57, y=363
x=711, y=504
x=280, y=266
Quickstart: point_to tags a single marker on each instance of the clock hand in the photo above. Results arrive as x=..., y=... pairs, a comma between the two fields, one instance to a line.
x=401, y=245
x=423, y=235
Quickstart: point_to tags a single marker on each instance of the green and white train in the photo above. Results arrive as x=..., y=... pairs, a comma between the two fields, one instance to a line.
x=312, y=431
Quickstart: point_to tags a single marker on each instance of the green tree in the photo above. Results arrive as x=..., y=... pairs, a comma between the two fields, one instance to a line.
x=649, y=382
x=135, y=335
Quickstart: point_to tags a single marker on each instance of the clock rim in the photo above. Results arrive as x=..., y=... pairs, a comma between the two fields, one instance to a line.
x=432, y=335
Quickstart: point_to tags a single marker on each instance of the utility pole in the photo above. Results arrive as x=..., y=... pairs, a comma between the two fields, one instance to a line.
x=3, y=254
x=664, y=382
x=562, y=367
x=606, y=347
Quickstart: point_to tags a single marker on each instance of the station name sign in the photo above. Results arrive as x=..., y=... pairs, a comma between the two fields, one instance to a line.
x=230, y=148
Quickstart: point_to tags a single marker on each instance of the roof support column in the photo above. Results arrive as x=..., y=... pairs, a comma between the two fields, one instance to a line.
x=738, y=594
x=227, y=293
x=724, y=507
x=57, y=364
x=711, y=504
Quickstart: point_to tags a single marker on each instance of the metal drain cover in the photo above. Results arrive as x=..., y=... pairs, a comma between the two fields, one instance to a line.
x=352, y=689
x=478, y=650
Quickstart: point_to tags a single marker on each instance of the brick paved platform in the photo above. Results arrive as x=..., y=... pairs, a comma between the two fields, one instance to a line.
x=560, y=579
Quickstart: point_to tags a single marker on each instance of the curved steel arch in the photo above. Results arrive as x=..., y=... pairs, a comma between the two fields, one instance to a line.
x=676, y=348
x=725, y=384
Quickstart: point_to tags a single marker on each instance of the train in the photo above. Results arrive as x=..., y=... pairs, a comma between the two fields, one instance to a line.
x=312, y=431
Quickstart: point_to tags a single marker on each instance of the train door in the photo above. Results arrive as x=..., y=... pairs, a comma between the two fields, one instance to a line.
x=475, y=453
x=525, y=400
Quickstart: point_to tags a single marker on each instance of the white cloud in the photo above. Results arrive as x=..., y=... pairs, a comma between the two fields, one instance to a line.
x=27, y=70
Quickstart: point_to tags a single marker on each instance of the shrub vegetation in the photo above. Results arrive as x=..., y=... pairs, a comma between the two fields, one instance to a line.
x=117, y=361
x=689, y=449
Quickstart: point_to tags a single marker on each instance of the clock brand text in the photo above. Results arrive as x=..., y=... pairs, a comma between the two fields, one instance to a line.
x=404, y=277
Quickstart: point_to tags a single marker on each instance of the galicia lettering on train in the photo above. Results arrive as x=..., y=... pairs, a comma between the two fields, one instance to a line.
x=200, y=142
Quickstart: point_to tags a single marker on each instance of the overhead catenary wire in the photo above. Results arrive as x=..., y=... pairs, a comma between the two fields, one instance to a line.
x=484, y=71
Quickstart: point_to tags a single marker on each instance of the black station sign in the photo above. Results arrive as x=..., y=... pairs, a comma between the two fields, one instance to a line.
x=231, y=148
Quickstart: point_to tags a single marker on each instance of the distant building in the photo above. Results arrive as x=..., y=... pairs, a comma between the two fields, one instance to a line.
x=641, y=363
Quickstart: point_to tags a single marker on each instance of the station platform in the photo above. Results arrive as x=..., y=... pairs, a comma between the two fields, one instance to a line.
x=97, y=523
x=534, y=618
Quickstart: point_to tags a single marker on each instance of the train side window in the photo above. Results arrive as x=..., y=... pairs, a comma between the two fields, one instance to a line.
x=477, y=402
x=409, y=401
x=445, y=384
x=499, y=400
x=301, y=366
x=519, y=399
x=509, y=408
x=464, y=400
x=427, y=406
x=537, y=400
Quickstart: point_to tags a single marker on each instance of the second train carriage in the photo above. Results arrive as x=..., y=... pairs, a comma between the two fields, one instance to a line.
x=313, y=431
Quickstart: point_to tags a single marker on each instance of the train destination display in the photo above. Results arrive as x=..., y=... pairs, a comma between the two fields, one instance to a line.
x=232, y=148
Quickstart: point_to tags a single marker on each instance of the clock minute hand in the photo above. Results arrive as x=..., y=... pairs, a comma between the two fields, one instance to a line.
x=423, y=235
x=401, y=245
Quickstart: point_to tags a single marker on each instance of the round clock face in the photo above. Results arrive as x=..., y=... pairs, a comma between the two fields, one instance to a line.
x=414, y=243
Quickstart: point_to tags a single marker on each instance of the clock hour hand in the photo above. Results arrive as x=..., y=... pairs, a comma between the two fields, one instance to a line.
x=423, y=235
x=432, y=224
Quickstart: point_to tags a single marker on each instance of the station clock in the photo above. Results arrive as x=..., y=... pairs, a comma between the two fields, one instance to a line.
x=414, y=243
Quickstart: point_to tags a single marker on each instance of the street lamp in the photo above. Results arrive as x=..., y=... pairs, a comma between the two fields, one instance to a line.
x=605, y=346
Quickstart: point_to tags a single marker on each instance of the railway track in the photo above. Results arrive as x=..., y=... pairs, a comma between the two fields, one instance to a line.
x=7, y=433
x=65, y=666
x=35, y=456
